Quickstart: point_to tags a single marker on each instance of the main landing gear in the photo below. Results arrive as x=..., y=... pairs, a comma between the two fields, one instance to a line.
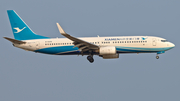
x=90, y=58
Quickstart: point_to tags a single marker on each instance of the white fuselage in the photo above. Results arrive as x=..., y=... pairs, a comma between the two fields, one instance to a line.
x=123, y=44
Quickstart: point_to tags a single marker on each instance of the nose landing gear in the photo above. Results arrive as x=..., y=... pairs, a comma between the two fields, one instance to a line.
x=157, y=57
x=90, y=58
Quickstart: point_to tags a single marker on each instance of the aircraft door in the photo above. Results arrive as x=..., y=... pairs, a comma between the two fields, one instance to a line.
x=154, y=42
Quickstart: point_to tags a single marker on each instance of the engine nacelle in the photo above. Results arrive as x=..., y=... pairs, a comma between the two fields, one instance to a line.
x=108, y=50
x=110, y=56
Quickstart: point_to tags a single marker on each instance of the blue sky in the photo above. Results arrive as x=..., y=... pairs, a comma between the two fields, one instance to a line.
x=27, y=76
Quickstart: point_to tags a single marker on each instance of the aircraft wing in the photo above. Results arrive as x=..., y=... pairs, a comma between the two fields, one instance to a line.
x=81, y=44
x=15, y=41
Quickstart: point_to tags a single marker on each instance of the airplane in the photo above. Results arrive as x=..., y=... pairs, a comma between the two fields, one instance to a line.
x=105, y=47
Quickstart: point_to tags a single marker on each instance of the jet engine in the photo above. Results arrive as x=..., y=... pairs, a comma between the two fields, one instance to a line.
x=108, y=50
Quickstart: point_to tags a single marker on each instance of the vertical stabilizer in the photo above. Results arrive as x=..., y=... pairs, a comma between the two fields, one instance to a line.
x=20, y=29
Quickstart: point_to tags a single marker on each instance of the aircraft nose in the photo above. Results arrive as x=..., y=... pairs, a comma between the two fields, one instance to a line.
x=172, y=45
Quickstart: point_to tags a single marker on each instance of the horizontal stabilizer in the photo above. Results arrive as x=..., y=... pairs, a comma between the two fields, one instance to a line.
x=15, y=41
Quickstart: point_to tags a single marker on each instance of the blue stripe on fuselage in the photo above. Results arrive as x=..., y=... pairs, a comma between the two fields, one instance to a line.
x=57, y=50
x=69, y=50
x=138, y=50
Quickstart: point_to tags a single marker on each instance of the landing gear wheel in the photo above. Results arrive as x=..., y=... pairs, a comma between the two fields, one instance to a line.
x=157, y=57
x=90, y=58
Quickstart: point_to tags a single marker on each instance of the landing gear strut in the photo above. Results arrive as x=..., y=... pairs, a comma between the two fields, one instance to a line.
x=90, y=58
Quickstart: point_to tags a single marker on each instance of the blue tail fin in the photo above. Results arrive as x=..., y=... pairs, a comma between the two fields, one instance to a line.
x=20, y=29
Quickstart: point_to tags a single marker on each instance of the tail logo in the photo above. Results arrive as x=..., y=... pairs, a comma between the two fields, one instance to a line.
x=19, y=30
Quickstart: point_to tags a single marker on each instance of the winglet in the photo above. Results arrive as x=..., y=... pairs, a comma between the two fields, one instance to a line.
x=60, y=29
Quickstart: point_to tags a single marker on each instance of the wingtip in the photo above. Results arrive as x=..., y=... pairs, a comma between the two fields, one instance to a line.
x=57, y=23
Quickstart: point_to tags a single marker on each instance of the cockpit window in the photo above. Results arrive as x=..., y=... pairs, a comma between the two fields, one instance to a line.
x=164, y=40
